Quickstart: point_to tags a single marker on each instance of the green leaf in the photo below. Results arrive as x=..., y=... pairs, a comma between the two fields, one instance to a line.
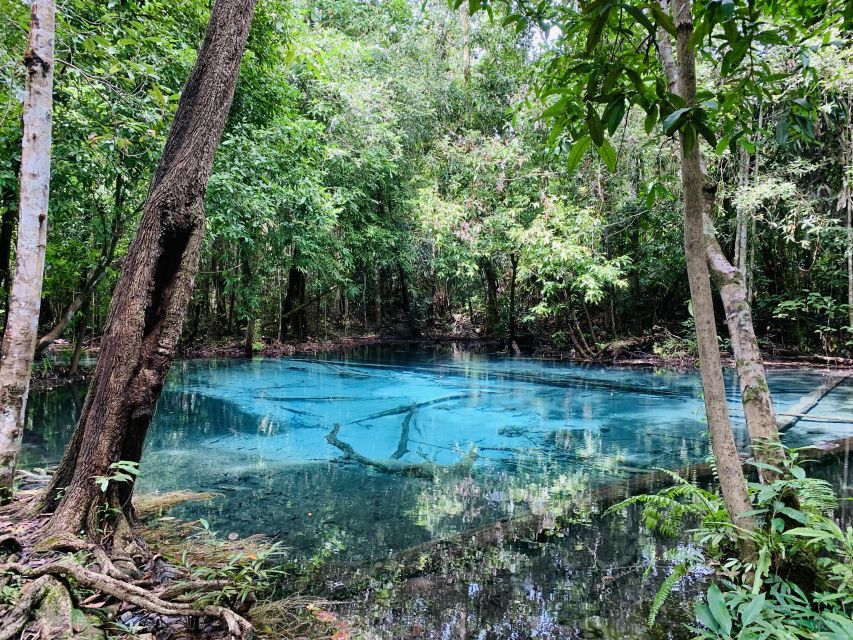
x=703, y=612
x=640, y=17
x=690, y=137
x=593, y=123
x=751, y=612
x=607, y=154
x=651, y=119
x=613, y=114
x=662, y=19
x=747, y=145
x=761, y=568
x=673, y=121
x=594, y=35
x=794, y=514
x=578, y=150
x=556, y=109
x=706, y=133
x=717, y=605
x=782, y=131
x=807, y=532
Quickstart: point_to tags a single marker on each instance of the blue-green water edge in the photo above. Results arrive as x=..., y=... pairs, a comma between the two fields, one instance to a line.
x=544, y=432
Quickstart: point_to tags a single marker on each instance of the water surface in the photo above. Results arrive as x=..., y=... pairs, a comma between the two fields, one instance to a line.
x=254, y=432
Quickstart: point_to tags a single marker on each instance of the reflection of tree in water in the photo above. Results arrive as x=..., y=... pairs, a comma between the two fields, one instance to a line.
x=51, y=416
x=585, y=581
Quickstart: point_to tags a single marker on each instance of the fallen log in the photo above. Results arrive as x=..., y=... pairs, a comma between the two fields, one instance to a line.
x=416, y=469
x=809, y=402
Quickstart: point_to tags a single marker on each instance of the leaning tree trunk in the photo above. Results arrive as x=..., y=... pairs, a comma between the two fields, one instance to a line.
x=151, y=296
x=732, y=480
x=755, y=393
x=16, y=355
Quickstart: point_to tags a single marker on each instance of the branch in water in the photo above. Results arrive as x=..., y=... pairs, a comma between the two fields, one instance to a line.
x=419, y=470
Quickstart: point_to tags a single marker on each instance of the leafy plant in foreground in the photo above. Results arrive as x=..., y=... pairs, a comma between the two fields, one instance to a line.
x=798, y=584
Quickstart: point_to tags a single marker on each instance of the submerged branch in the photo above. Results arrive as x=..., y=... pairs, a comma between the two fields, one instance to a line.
x=417, y=469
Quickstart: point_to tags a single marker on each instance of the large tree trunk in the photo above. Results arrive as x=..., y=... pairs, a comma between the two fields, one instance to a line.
x=732, y=480
x=151, y=296
x=16, y=355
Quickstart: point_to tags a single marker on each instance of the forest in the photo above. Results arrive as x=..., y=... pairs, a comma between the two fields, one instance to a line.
x=585, y=268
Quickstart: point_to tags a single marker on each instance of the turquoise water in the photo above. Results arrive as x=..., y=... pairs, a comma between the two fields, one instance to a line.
x=254, y=432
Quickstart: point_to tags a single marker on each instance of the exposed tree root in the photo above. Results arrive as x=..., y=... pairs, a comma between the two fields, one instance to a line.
x=238, y=627
x=30, y=599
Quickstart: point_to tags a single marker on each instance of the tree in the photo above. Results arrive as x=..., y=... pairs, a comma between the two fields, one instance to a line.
x=16, y=356
x=732, y=481
x=151, y=296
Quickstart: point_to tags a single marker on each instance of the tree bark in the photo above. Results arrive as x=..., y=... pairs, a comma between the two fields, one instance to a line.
x=16, y=354
x=464, y=12
x=513, y=261
x=248, y=343
x=492, y=315
x=406, y=301
x=732, y=479
x=377, y=297
x=151, y=296
x=754, y=391
x=756, y=398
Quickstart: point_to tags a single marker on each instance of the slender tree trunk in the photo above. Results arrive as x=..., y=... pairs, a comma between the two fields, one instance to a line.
x=754, y=391
x=80, y=335
x=845, y=202
x=742, y=229
x=377, y=296
x=732, y=480
x=151, y=296
x=492, y=315
x=248, y=343
x=16, y=355
x=466, y=45
x=513, y=261
x=756, y=398
x=406, y=301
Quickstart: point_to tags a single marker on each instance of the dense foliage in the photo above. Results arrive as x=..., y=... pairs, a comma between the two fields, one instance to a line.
x=398, y=167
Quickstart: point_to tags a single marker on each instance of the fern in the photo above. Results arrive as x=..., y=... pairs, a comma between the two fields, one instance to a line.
x=678, y=572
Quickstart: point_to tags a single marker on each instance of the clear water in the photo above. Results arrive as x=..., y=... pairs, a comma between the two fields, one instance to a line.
x=254, y=432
